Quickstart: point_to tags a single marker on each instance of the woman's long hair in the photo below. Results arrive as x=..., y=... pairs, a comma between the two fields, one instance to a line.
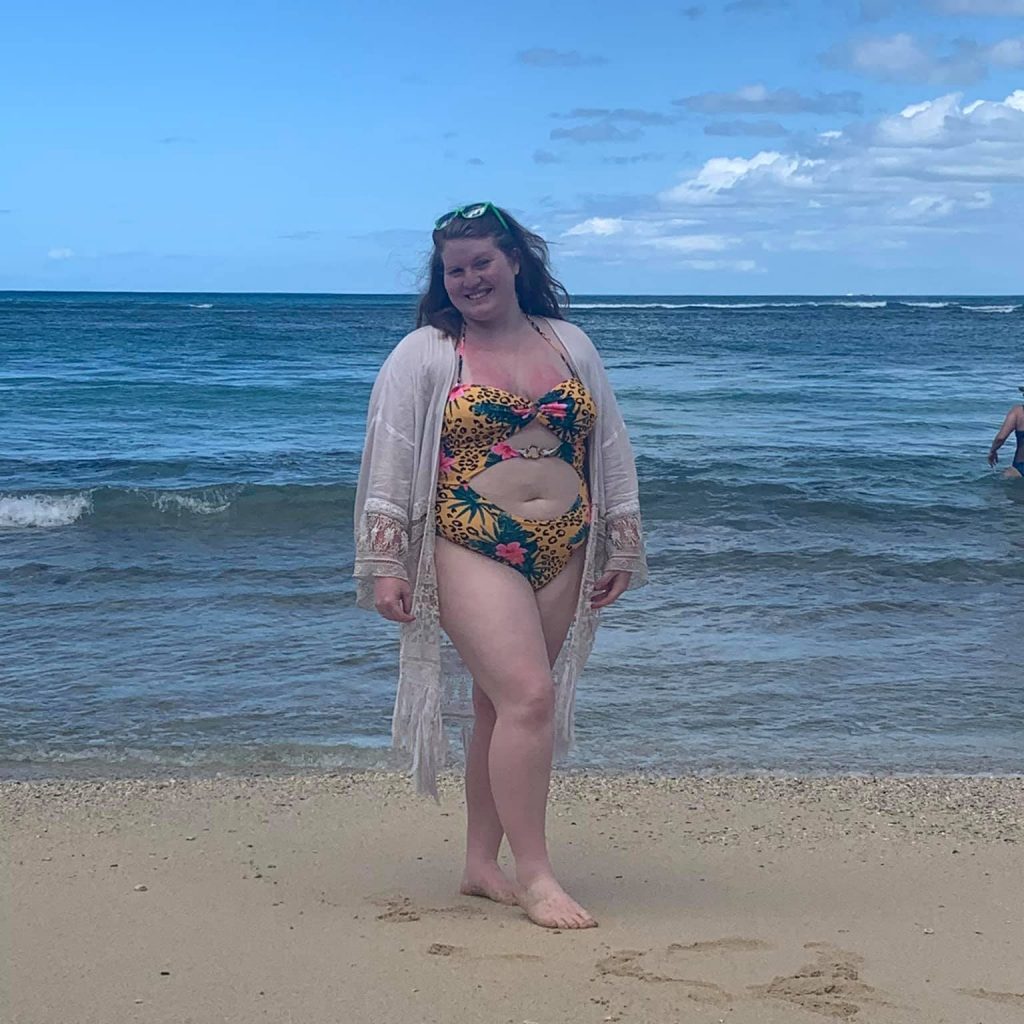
x=538, y=292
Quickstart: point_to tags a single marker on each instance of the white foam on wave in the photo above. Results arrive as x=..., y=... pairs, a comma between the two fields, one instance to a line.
x=633, y=305
x=991, y=309
x=205, y=506
x=684, y=305
x=927, y=305
x=200, y=305
x=873, y=304
x=42, y=510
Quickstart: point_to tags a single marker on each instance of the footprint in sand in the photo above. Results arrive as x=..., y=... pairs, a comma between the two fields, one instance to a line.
x=655, y=966
x=443, y=949
x=830, y=986
x=1005, y=998
x=720, y=946
x=401, y=909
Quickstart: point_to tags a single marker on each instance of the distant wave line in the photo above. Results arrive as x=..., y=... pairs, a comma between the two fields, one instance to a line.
x=835, y=303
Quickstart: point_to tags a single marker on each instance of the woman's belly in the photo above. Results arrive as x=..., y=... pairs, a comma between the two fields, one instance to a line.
x=530, y=488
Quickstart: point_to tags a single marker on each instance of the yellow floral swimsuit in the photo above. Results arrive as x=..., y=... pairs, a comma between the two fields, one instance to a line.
x=480, y=424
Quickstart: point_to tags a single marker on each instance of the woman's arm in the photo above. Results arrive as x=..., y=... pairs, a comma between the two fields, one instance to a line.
x=623, y=525
x=384, y=493
x=1004, y=432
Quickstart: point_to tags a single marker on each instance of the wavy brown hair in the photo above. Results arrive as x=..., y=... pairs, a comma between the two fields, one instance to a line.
x=539, y=293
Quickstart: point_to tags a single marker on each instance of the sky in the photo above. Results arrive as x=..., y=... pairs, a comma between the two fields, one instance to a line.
x=716, y=148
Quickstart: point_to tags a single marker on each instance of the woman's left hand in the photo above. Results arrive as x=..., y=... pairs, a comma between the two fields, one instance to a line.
x=610, y=587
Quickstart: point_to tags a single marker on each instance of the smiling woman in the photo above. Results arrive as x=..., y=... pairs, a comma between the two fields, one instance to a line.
x=498, y=502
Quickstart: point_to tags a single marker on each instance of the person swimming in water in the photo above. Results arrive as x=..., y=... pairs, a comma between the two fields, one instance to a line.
x=1013, y=424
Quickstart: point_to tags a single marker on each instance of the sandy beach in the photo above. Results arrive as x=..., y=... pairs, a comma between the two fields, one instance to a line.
x=334, y=899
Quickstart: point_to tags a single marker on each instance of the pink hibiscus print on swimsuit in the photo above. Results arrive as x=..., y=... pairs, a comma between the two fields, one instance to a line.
x=523, y=411
x=506, y=451
x=514, y=553
x=555, y=410
x=445, y=461
x=456, y=392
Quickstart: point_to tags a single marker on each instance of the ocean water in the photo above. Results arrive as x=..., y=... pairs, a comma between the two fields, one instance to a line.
x=837, y=579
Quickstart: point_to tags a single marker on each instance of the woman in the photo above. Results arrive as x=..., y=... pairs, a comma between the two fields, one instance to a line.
x=497, y=501
x=1014, y=423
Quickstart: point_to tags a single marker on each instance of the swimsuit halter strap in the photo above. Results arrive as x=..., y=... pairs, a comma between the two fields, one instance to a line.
x=460, y=347
x=557, y=349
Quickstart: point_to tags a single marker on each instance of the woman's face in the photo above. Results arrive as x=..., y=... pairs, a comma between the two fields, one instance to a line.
x=479, y=277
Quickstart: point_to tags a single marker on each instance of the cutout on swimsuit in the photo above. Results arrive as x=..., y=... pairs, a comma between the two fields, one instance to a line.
x=480, y=424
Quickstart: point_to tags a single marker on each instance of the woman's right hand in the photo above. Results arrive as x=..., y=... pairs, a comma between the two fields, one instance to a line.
x=993, y=457
x=392, y=597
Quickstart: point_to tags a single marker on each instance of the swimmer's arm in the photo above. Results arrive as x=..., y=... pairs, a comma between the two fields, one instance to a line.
x=1004, y=432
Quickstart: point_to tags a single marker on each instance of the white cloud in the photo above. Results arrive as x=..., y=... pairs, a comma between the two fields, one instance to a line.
x=743, y=266
x=948, y=166
x=890, y=56
x=1008, y=53
x=947, y=123
x=924, y=208
x=60, y=254
x=720, y=175
x=602, y=226
x=939, y=165
x=903, y=57
x=692, y=243
x=936, y=206
x=997, y=7
x=759, y=99
x=615, y=238
x=633, y=228
x=872, y=10
x=597, y=131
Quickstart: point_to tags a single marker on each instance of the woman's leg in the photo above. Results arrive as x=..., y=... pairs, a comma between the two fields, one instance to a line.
x=543, y=898
x=494, y=620
x=483, y=876
x=484, y=832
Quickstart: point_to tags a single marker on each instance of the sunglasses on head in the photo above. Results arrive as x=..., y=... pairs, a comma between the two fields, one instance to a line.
x=470, y=212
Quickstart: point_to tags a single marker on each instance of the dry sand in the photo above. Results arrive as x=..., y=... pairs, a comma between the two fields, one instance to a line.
x=307, y=900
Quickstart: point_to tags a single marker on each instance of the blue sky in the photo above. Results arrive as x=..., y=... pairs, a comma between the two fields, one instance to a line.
x=723, y=147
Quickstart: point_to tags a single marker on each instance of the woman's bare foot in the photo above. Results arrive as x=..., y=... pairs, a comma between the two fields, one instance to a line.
x=546, y=903
x=489, y=881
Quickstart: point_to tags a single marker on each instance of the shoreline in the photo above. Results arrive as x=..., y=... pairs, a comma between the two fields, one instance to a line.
x=65, y=772
x=967, y=800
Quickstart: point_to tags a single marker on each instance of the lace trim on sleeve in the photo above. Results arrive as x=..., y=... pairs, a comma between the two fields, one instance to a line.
x=385, y=537
x=625, y=543
x=383, y=542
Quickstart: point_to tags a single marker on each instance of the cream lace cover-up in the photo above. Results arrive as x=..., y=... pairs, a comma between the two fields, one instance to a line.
x=394, y=523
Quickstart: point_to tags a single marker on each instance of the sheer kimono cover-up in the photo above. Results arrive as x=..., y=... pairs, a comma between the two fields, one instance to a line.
x=394, y=525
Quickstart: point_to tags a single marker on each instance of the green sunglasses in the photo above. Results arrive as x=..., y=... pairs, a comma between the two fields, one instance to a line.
x=470, y=212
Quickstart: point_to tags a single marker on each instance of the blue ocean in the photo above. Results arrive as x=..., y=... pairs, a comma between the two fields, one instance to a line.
x=837, y=575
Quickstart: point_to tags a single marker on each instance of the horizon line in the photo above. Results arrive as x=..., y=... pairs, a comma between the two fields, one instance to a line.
x=589, y=295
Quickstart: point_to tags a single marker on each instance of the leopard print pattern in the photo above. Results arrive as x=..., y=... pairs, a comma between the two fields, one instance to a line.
x=537, y=549
x=480, y=421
